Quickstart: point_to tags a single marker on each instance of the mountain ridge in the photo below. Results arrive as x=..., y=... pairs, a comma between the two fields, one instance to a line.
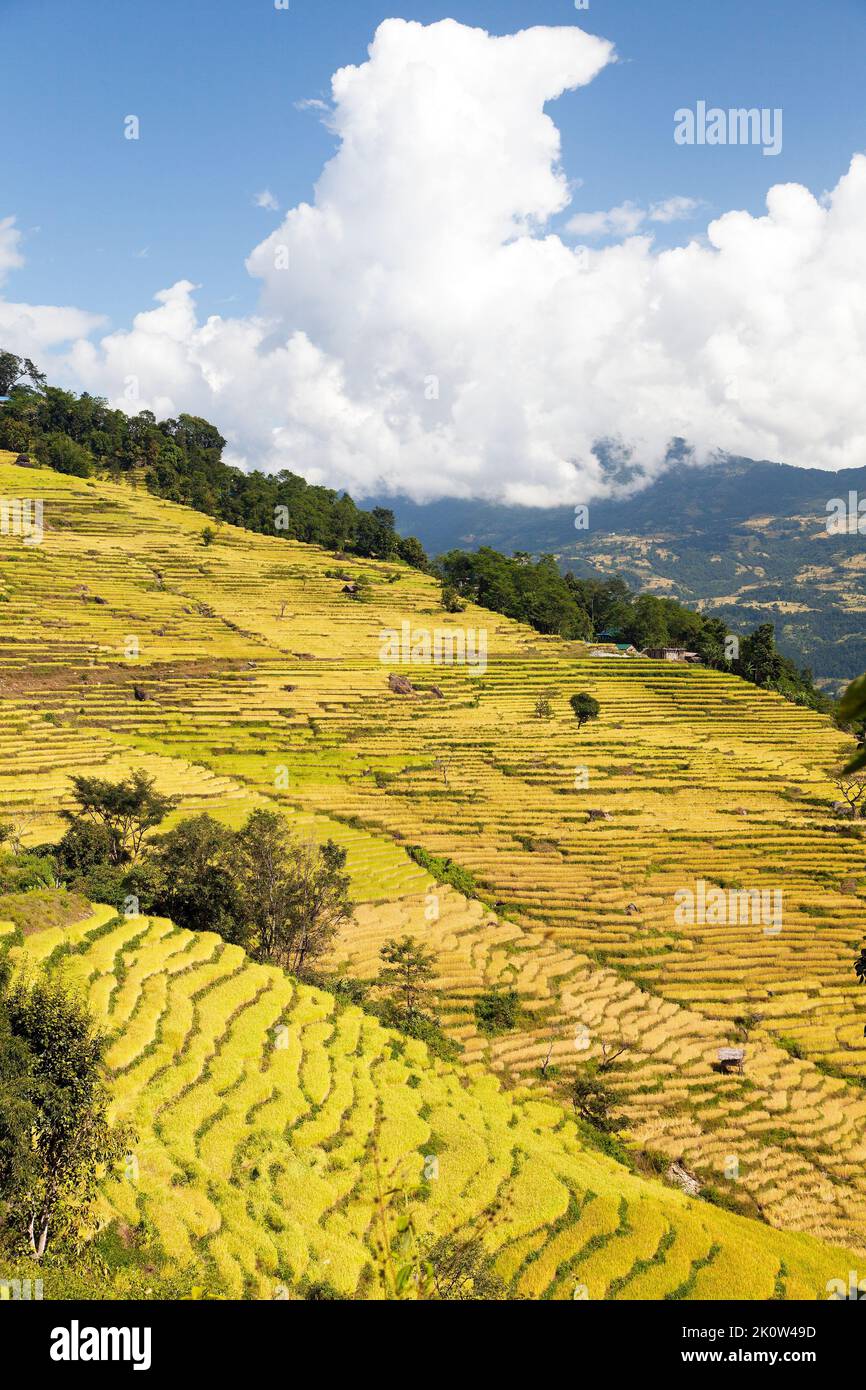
x=745, y=539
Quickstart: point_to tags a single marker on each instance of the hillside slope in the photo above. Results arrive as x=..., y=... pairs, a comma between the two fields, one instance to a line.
x=241, y=674
x=270, y=1124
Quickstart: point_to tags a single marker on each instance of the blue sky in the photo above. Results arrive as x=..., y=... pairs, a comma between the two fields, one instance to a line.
x=108, y=222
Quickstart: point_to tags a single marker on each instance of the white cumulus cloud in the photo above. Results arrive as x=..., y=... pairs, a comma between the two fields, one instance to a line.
x=622, y=221
x=33, y=329
x=10, y=247
x=674, y=209
x=421, y=327
x=628, y=218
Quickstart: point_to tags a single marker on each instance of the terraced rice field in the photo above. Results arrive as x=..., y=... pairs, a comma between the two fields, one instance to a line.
x=268, y=1122
x=263, y=684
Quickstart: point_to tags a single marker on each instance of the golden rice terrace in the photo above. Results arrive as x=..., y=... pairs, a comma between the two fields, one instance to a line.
x=241, y=674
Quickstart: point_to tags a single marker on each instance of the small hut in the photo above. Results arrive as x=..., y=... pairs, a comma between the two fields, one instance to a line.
x=732, y=1059
x=672, y=654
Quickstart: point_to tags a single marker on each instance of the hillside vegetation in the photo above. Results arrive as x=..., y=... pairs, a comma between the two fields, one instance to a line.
x=240, y=674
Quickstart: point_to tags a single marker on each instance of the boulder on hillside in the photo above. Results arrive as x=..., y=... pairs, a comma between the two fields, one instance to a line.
x=682, y=1178
x=401, y=685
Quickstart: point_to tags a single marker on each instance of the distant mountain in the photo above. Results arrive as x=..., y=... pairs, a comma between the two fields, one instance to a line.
x=747, y=540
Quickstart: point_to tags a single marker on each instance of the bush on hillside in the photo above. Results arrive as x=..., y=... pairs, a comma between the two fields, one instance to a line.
x=444, y=870
x=19, y=873
x=498, y=1011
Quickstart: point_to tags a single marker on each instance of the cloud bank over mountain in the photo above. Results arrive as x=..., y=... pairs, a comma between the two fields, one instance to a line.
x=424, y=328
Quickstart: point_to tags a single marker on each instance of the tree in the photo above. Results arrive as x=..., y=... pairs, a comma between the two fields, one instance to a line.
x=462, y=1271
x=710, y=643
x=188, y=875
x=14, y=435
x=14, y=369
x=852, y=710
x=127, y=809
x=585, y=708
x=86, y=844
x=860, y=966
x=321, y=904
x=10, y=834
x=293, y=897
x=498, y=1011
x=65, y=456
x=55, y=1139
x=543, y=708
x=759, y=661
x=412, y=552
x=648, y=626
x=451, y=600
x=612, y=1056
x=592, y=1100
x=208, y=535
x=852, y=785
x=406, y=971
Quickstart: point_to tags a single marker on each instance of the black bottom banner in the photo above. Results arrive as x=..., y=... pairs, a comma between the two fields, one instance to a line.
x=85, y=1340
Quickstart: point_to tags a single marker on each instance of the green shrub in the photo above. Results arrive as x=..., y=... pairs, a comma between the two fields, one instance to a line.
x=498, y=1011
x=444, y=870
x=20, y=873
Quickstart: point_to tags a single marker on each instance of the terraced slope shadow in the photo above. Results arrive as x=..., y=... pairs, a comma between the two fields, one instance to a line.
x=242, y=675
x=264, y=1116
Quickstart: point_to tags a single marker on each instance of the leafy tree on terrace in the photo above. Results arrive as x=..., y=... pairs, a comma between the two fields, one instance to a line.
x=852, y=785
x=55, y=1139
x=759, y=661
x=592, y=1100
x=406, y=971
x=127, y=810
x=412, y=552
x=585, y=707
x=860, y=966
x=188, y=875
x=607, y=602
x=451, y=600
x=293, y=897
